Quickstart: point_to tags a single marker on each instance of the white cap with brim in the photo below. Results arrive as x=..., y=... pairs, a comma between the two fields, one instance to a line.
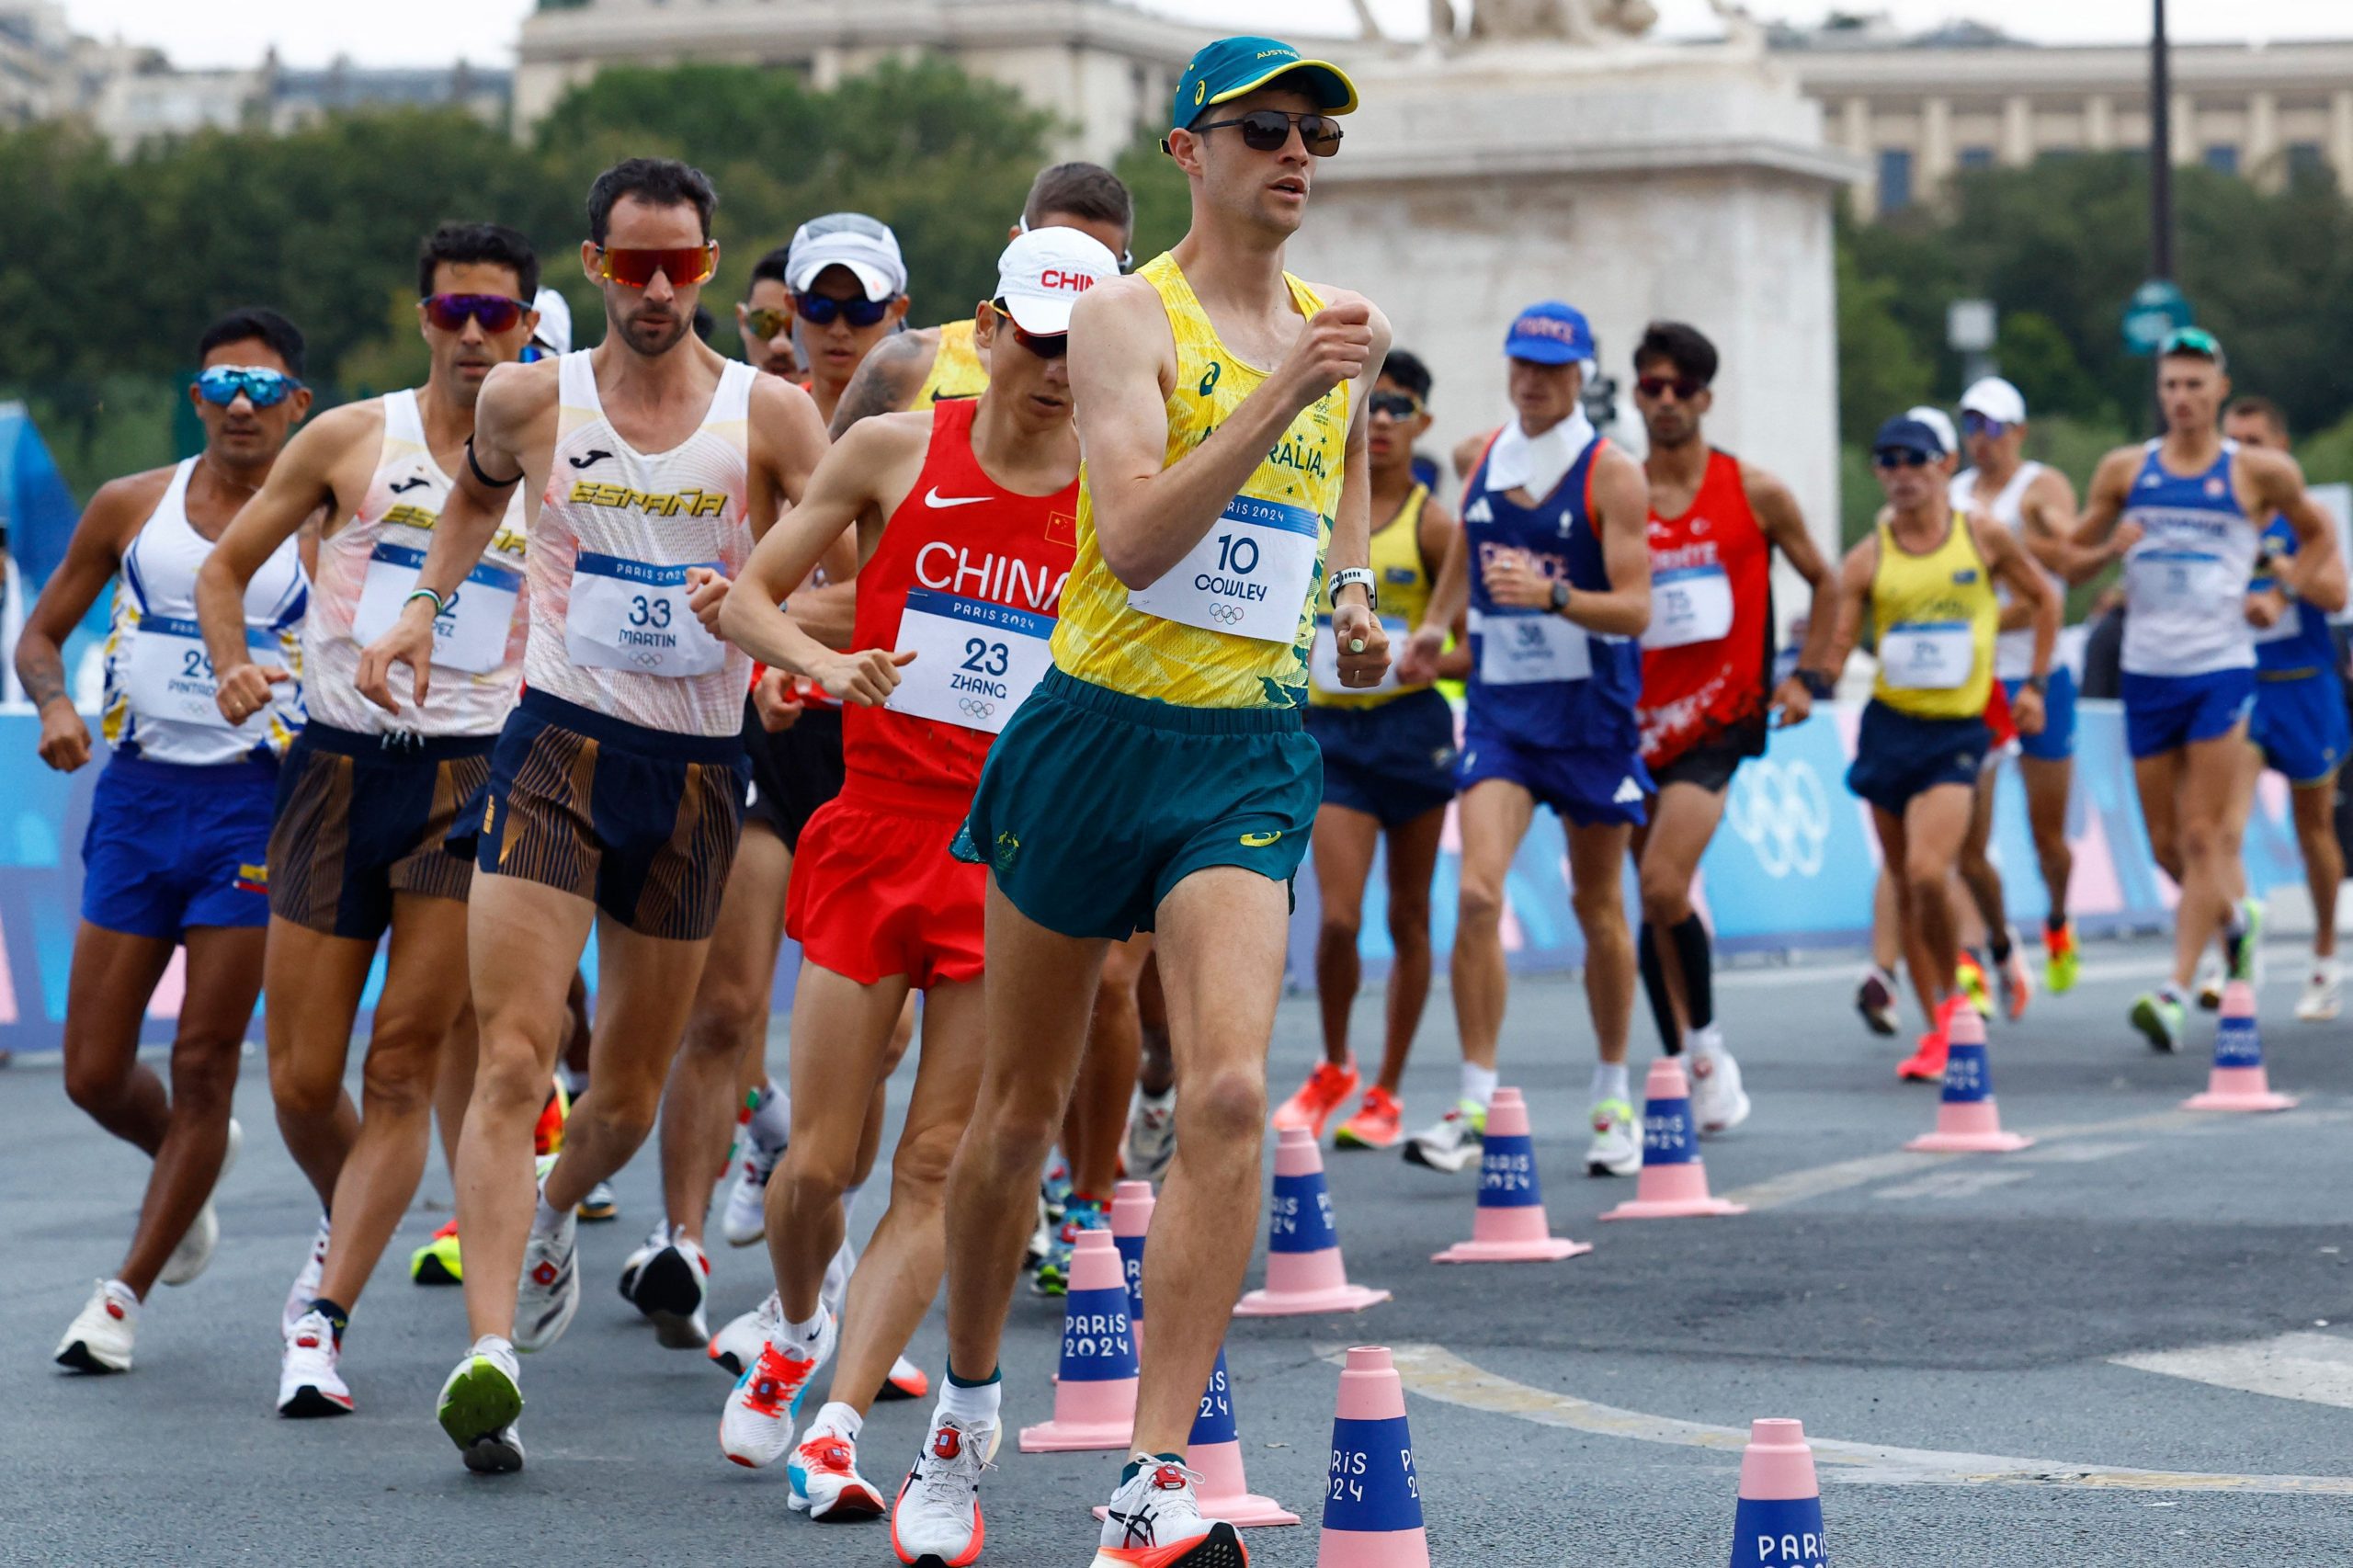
x=1997, y=400
x=1940, y=422
x=554, y=331
x=866, y=246
x=1043, y=272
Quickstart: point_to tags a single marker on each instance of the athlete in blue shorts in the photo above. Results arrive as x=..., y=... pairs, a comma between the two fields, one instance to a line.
x=177, y=846
x=2182, y=510
x=1553, y=565
x=2037, y=503
x=2300, y=727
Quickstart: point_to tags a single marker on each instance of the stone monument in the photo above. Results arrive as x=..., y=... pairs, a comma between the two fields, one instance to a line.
x=1550, y=151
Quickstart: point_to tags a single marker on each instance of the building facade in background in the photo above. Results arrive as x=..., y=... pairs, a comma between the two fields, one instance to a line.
x=1920, y=108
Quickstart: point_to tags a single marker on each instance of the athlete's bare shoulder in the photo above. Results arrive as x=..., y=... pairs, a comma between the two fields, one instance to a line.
x=1763, y=487
x=888, y=378
x=1118, y=328
x=773, y=397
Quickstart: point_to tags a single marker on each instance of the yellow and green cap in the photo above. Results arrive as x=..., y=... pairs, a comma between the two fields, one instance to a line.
x=1233, y=66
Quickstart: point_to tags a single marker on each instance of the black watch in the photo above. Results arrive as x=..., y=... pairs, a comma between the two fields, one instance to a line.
x=1560, y=595
x=2039, y=684
x=1817, y=685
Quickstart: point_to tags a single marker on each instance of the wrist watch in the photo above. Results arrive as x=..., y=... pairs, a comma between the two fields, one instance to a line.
x=1560, y=596
x=1817, y=685
x=1355, y=575
x=2040, y=684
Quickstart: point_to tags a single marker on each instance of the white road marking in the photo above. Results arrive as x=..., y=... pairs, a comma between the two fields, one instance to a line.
x=1435, y=1372
x=2074, y=1153
x=1955, y=1183
x=1796, y=1186
x=2314, y=1367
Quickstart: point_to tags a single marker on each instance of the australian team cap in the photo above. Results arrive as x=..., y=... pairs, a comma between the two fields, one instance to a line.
x=1550, y=334
x=865, y=246
x=1939, y=424
x=1905, y=433
x=1233, y=66
x=1043, y=272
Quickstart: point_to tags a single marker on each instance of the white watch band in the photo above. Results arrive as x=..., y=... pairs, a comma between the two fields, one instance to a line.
x=1355, y=574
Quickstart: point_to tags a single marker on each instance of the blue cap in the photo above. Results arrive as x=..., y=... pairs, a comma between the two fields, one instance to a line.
x=1905, y=433
x=1233, y=66
x=1550, y=334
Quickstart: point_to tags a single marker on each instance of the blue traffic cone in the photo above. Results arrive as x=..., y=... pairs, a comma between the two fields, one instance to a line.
x=1304, y=1270
x=1131, y=1207
x=2238, y=1081
x=1372, y=1499
x=1095, y=1396
x=1778, y=1521
x=1968, y=1123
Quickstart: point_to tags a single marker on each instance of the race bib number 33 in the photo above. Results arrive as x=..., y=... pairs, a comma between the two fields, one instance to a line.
x=975, y=662
x=1250, y=574
x=632, y=615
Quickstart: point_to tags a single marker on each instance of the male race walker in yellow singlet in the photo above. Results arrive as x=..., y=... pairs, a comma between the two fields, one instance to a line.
x=1160, y=777
x=1925, y=579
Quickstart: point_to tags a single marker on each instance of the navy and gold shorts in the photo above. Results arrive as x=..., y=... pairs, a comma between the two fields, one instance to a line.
x=642, y=822
x=361, y=817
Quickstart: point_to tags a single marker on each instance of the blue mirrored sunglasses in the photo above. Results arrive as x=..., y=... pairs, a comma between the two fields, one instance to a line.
x=264, y=387
x=819, y=311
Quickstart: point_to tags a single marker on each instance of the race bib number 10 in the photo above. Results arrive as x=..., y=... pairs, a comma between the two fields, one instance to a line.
x=1250, y=574
x=975, y=662
x=632, y=615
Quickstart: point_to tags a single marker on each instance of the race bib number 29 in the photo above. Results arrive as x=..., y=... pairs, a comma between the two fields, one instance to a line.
x=632, y=615
x=1250, y=574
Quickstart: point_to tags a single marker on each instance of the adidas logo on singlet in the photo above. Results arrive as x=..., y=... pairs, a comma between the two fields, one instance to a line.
x=1480, y=512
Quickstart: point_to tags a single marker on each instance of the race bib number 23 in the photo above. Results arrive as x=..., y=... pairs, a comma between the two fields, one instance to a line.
x=975, y=662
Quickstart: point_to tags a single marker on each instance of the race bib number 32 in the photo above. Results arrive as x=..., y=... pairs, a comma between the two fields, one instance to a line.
x=470, y=633
x=975, y=662
x=1250, y=574
x=632, y=615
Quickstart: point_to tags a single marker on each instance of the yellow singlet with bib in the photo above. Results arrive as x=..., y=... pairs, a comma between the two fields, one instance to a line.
x=1167, y=738
x=1936, y=615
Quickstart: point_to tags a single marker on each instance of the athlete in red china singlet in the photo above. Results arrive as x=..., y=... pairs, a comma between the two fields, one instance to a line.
x=1707, y=681
x=967, y=521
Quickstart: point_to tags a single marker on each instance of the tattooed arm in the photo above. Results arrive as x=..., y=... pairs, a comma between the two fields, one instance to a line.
x=887, y=380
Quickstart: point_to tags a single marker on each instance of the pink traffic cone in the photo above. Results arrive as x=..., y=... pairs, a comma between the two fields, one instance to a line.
x=2238, y=1081
x=1131, y=1206
x=1967, y=1121
x=1304, y=1273
x=1094, y=1395
x=1509, y=1225
x=1674, y=1183
x=1213, y=1452
x=1778, y=1521
x=1373, y=1500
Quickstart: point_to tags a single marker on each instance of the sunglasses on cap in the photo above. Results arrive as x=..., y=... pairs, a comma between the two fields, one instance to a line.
x=1396, y=405
x=1684, y=388
x=264, y=387
x=1268, y=130
x=1975, y=423
x=1901, y=457
x=684, y=265
x=819, y=311
x=497, y=313
x=1051, y=345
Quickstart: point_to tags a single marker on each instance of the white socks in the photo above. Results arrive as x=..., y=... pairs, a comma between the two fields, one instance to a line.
x=1478, y=1084
x=123, y=1296
x=1708, y=1042
x=772, y=1118
x=801, y=1336
x=544, y=1220
x=839, y=1419
x=970, y=1407
x=1609, y=1082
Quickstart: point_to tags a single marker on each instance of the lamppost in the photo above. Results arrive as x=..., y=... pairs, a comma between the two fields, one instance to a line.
x=2160, y=149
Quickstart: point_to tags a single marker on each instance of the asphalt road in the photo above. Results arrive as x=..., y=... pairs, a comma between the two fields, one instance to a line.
x=1948, y=1328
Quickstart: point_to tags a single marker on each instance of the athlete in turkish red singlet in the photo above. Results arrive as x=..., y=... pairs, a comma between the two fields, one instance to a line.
x=967, y=521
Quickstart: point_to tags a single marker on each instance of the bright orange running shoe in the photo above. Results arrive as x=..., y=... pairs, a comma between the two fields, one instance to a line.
x=547, y=1133
x=1377, y=1123
x=1326, y=1090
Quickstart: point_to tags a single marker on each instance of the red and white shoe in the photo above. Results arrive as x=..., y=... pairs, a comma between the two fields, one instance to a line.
x=1326, y=1090
x=937, y=1521
x=826, y=1483
x=98, y=1339
x=308, y=1382
x=1154, y=1521
x=755, y=1429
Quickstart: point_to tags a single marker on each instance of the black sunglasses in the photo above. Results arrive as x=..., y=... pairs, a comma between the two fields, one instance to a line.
x=497, y=312
x=1396, y=405
x=1049, y=345
x=819, y=311
x=1268, y=130
x=1684, y=388
x=1901, y=457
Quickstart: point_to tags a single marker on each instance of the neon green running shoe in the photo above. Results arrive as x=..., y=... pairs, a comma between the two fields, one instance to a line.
x=436, y=1262
x=2060, y=960
x=478, y=1405
x=2161, y=1018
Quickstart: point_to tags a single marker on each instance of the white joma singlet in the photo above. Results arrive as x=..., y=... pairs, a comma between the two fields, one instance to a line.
x=159, y=686
x=2013, y=650
x=366, y=570
x=617, y=530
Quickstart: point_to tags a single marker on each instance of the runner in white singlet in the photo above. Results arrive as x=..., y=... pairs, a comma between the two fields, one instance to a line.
x=176, y=851
x=366, y=798
x=647, y=465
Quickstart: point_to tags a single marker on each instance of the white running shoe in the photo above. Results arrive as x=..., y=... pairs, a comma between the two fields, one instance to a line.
x=826, y=1484
x=1617, y=1146
x=669, y=1291
x=194, y=1253
x=737, y=1344
x=308, y=1382
x=746, y=1220
x=1451, y=1142
x=1151, y=1140
x=1156, y=1511
x=1041, y=1239
x=655, y=1240
x=937, y=1517
x=549, y=1292
x=1718, y=1102
x=755, y=1429
x=2211, y=973
x=478, y=1405
x=2318, y=1004
x=98, y=1339
x=306, y=1283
